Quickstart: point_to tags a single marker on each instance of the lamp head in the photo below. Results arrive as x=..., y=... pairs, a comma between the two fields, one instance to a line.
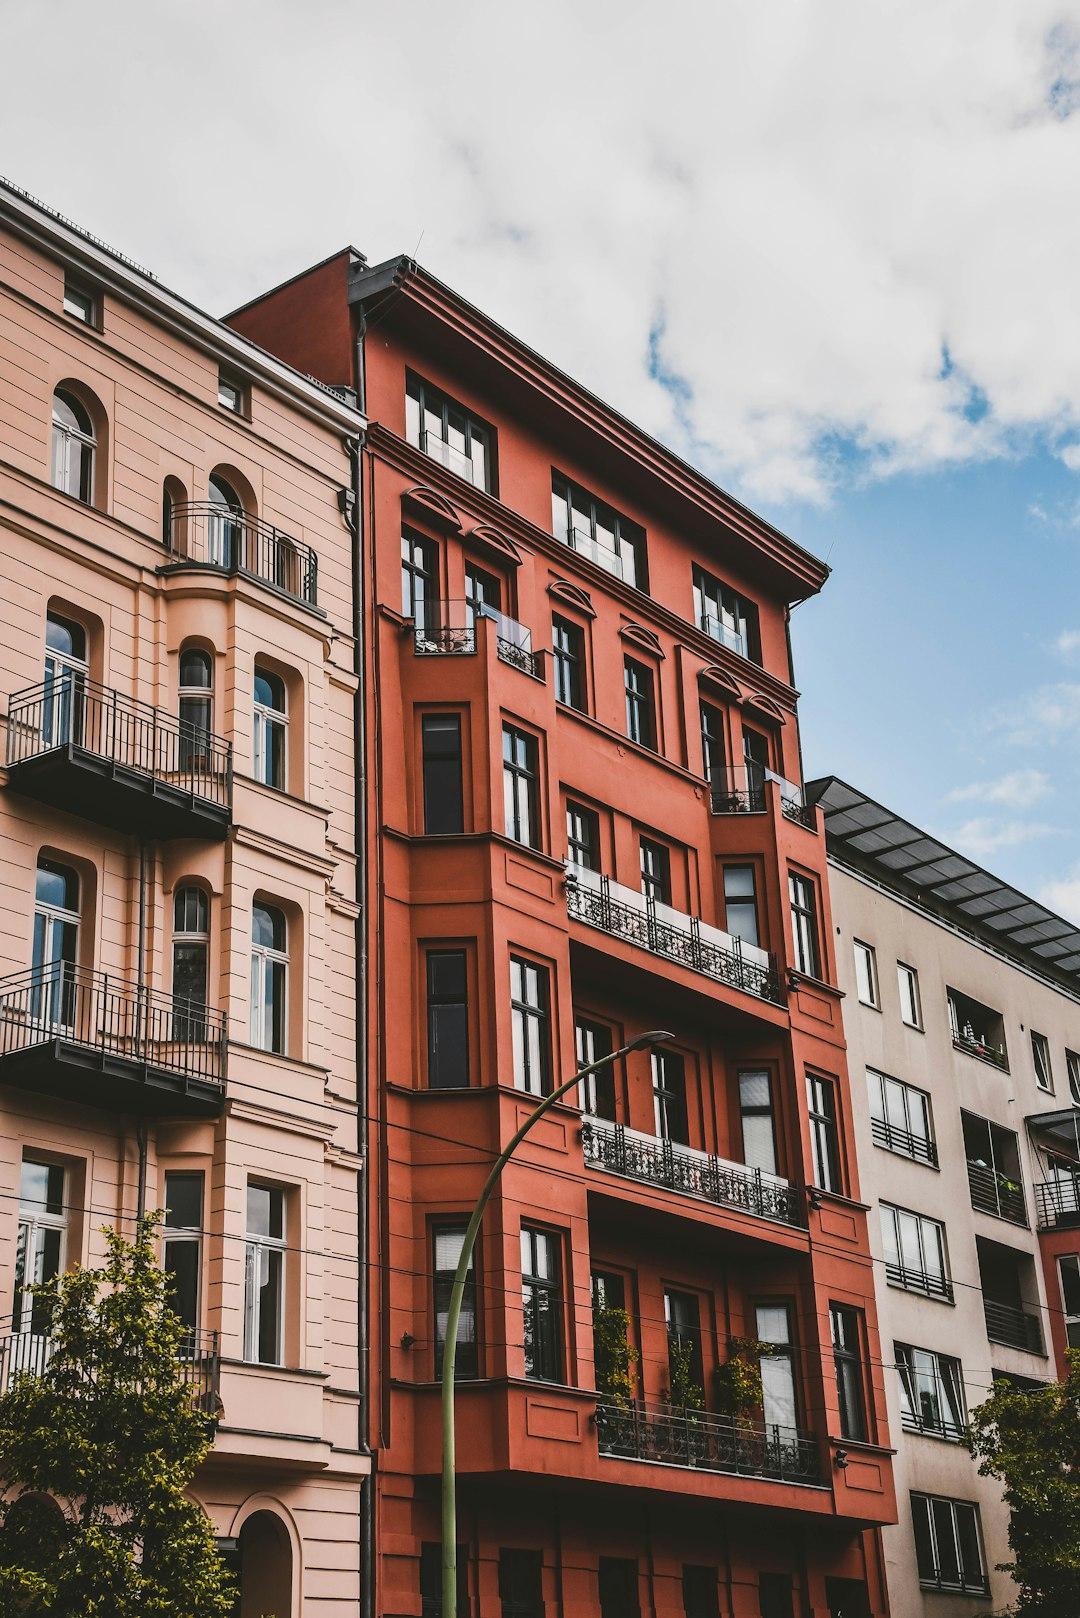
x=655, y=1036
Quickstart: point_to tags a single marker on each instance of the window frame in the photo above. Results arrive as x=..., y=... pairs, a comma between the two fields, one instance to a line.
x=62, y=437
x=710, y=591
x=256, y=1245
x=847, y=1327
x=75, y=290
x=430, y=759
x=826, y=1146
x=749, y=1109
x=436, y=999
x=265, y=959
x=528, y=1019
x=535, y=1283
x=568, y=663
x=934, y=1581
x=522, y=818
x=575, y=842
x=629, y=536
x=891, y=1136
x=804, y=908
x=232, y=393
x=915, y=997
x=867, y=984
x=945, y=1369
x=1041, y=1062
x=420, y=605
x=639, y=696
x=467, y=1350
x=926, y=1282
x=38, y=1220
x=174, y=1234
x=431, y=400
x=654, y=863
x=741, y=902
x=270, y=732
x=671, y=1102
x=599, y=1093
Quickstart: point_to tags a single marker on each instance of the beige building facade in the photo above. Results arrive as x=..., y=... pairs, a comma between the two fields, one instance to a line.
x=962, y=1016
x=177, y=937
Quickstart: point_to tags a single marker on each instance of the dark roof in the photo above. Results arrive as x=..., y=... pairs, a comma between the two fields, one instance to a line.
x=865, y=834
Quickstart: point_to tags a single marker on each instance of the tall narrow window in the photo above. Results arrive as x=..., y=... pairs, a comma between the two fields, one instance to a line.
x=541, y=1297
x=595, y=530
x=669, y=1097
x=713, y=752
x=568, y=659
x=847, y=1598
x=431, y=1603
x=700, y=1591
x=758, y=1124
x=724, y=615
x=447, y=1243
x=948, y=1544
x=582, y=837
x=54, y=989
x=269, y=968
x=521, y=1589
x=775, y=1595
x=41, y=1252
x=224, y=525
x=740, y=904
x=686, y=1372
x=63, y=705
x=520, y=788
x=804, y=925
x=444, y=808
x=181, y=1244
x=846, y=1326
x=1040, y=1055
x=1069, y=1276
x=617, y=1581
x=931, y=1393
x=419, y=581
x=271, y=718
x=264, y=1288
x=757, y=758
x=74, y=447
x=191, y=956
x=530, y=1018
x=866, y=979
x=655, y=862
x=1072, y=1068
x=448, y=433
x=447, y=1019
x=824, y=1134
x=196, y=708
x=907, y=981
x=777, y=1366
x=592, y=1042
x=640, y=703
x=483, y=594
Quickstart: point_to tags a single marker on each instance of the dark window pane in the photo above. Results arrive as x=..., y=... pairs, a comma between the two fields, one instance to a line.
x=521, y=1589
x=617, y=1577
x=443, y=801
x=448, y=1019
x=775, y=1595
x=699, y=1589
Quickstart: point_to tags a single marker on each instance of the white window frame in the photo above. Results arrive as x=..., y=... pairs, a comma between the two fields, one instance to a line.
x=971, y=1505
x=1043, y=1082
x=261, y=956
x=907, y=983
x=63, y=438
x=265, y=719
x=255, y=1249
x=1072, y=1068
x=943, y=1376
x=34, y=1222
x=883, y=1085
x=866, y=974
x=905, y=1277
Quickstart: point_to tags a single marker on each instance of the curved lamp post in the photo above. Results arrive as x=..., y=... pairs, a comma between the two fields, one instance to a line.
x=656, y=1036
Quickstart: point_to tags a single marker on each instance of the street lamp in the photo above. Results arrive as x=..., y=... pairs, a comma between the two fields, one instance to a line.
x=656, y=1036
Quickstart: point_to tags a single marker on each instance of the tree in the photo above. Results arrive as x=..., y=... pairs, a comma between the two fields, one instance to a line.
x=1030, y=1440
x=107, y=1423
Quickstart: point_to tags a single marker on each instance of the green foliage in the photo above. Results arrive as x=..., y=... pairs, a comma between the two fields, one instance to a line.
x=108, y=1427
x=1031, y=1442
x=738, y=1380
x=684, y=1390
x=614, y=1356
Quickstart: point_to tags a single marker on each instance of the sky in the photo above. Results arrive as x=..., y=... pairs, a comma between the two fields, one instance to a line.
x=827, y=250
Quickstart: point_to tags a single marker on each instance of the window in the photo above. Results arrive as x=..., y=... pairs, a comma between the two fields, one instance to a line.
x=447, y=1019
x=931, y=1392
x=63, y=704
x=74, y=446
x=231, y=394
x=446, y=432
x=907, y=980
x=444, y=806
x=181, y=1246
x=582, y=836
x=977, y=1029
x=866, y=979
x=483, y=595
x=740, y=904
x=190, y=961
x=530, y=1022
x=700, y=1591
x=447, y=1242
x=568, y=657
x=1040, y=1055
x=196, y=708
x=685, y=1369
x=846, y=1326
x=521, y=1588
x=757, y=758
x=419, y=581
x=593, y=1041
x=756, y=1114
x=224, y=525
x=713, y=753
x=431, y=1579
x=79, y=302
x=264, y=1276
x=993, y=1169
x=669, y=1097
x=804, y=925
x=269, y=966
x=824, y=1134
x=948, y=1544
x=54, y=989
x=655, y=862
x=541, y=1298
x=915, y=1252
x=520, y=798
x=617, y=1578
x=271, y=718
x=1069, y=1275
x=41, y=1253
x=640, y=705
x=587, y=525
x=775, y=1595
x=900, y=1118
x=847, y=1598
x=724, y=615
x=1072, y=1068
x=773, y=1322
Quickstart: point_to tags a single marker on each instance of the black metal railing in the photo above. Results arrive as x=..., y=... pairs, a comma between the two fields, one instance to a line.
x=972, y=1045
x=686, y=941
x=449, y=630
x=916, y=1280
x=708, y=1443
x=996, y=1194
x=28, y=1353
x=903, y=1141
x=106, y=1014
x=698, y=1174
x=742, y=789
x=70, y=711
x=1057, y=1202
x=1013, y=1327
x=215, y=536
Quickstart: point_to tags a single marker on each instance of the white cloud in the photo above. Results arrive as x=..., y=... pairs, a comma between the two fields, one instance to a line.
x=1067, y=642
x=1018, y=789
x=1040, y=716
x=984, y=835
x=841, y=223
x=1064, y=894
x=1070, y=454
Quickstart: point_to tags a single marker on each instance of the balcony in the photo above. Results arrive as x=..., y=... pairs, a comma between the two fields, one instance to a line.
x=913, y=1278
x=995, y=1193
x=741, y=790
x=637, y=1156
x=27, y=1353
x=977, y=1030
x=724, y=634
x=449, y=630
x=704, y=1442
x=1013, y=1327
x=455, y=460
x=205, y=534
x=1057, y=1202
x=905, y=1143
x=628, y=914
x=83, y=747
x=97, y=1039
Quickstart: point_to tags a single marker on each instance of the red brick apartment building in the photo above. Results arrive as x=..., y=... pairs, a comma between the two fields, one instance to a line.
x=585, y=820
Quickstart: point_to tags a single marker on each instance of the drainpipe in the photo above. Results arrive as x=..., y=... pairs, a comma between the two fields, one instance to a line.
x=140, y=990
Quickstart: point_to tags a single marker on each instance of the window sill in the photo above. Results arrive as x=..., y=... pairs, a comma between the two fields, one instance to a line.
x=795, y=978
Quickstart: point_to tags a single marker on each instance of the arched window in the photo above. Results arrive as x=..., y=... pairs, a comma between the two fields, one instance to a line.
x=55, y=945
x=224, y=524
x=269, y=966
x=266, y=1568
x=191, y=961
x=196, y=707
x=66, y=671
x=271, y=719
x=73, y=447
x=173, y=513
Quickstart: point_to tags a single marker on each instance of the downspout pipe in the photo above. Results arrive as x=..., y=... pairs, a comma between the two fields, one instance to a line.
x=140, y=990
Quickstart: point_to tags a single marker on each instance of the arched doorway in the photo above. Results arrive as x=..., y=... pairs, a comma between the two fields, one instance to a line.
x=266, y=1571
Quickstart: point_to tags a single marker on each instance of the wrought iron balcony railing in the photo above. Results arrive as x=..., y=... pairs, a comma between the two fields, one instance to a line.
x=1013, y=1327
x=903, y=1142
x=708, y=1443
x=73, y=712
x=218, y=537
x=996, y=1194
x=741, y=789
x=1057, y=1202
x=911, y=1279
x=628, y=914
x=972, y=1045
x=449, y=630
x=28, y=1353
x=637, y=1156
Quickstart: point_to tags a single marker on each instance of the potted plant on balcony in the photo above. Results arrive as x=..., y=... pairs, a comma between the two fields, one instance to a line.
x=615, y=1360
x=685, y=1401
x=739, y=1392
